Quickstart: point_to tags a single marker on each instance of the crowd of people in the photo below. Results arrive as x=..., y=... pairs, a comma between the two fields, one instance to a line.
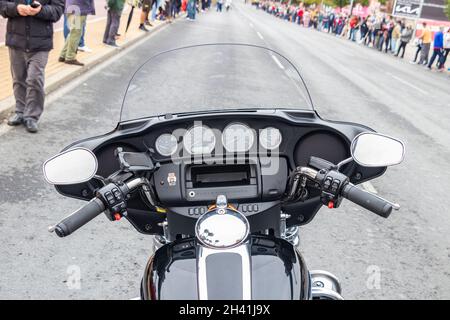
x=379, y=31
x=76, y=13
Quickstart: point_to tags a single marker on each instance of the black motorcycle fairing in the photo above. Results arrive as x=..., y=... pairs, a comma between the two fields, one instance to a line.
x=171, y=272
x=139, y=136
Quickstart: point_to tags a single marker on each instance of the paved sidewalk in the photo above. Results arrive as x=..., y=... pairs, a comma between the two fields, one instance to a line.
x=58, y=73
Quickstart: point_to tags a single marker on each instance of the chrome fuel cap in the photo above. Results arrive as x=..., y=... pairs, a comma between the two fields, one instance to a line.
x=222, y=227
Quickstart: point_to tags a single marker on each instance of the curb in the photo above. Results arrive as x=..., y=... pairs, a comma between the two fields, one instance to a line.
x=56, y=81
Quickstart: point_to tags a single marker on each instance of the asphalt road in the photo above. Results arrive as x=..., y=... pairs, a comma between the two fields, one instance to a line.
x=404, y=257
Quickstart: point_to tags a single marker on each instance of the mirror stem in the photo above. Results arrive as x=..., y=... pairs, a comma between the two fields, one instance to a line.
x=103, y=180
x=343, y=162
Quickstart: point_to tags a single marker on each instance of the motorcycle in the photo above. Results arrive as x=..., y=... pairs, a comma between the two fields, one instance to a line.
x=226, y=178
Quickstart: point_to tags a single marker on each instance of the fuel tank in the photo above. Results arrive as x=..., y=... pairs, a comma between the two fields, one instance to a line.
x=276, y=269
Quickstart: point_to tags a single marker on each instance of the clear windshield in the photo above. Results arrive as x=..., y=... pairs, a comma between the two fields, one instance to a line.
x=214, y=77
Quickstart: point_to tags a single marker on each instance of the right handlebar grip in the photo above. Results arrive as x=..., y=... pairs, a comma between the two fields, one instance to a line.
x=367, y=200
x=80, y=217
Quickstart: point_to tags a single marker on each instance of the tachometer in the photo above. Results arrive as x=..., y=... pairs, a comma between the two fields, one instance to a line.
x=237, y=137
x=270, y=138
x=166, y=144
x=199, y=140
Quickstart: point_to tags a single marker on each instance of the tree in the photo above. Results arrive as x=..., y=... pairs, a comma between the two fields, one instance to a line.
x=341, y=3
x=447, y=9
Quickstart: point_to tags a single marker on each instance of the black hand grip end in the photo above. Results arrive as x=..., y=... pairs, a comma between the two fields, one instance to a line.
x=367, y=200
x=61, y=230
x=79, y=218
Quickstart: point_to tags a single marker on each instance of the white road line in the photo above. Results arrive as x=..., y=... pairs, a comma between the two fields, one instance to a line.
x=369, y=187
x=250, y=24
x=407, y=83
x=260, y=35
x=277, y=62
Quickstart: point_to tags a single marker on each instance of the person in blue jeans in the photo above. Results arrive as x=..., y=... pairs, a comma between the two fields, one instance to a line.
x=82, y=46
x=191, y=10
x=438, y=48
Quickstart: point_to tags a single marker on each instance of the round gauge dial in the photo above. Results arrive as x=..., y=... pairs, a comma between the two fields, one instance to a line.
x=166, y=144
x=237, y=137
x=199, y=140
x=270, y=138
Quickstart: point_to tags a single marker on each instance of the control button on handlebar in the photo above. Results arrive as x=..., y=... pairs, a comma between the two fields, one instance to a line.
x=327, y=183
x=335, y=185
x=117, y=194
x=109, y=197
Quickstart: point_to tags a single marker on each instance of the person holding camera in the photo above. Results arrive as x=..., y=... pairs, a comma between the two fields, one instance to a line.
x=29, y=37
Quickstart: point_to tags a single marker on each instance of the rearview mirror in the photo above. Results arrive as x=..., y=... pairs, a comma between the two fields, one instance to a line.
x=370, y=149
x=70, y=167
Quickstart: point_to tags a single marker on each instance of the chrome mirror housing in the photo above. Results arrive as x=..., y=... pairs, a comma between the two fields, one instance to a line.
x=70, y=167
x=370, y=149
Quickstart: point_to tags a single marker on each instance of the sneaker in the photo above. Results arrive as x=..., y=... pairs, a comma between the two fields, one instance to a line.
x=413, y=62
x=85, y=49
x=147, y=23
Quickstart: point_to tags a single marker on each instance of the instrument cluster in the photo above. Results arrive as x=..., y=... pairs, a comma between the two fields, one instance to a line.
x=236, y=137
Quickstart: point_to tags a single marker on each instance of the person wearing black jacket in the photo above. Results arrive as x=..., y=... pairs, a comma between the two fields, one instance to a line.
x=29, y=36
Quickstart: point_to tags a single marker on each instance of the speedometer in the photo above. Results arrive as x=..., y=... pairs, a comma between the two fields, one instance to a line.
x=270, y=138
x=166, y=144
x=199, y=140
x=237, y=137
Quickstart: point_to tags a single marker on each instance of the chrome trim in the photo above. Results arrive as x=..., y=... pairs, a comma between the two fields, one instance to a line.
x=343, y=162
x=64, y=152
x=202, y=281
x=132, y=184
x=325, y=293
x=325, y=285
x=204, y=234
x=352, y=146
x=306, y=171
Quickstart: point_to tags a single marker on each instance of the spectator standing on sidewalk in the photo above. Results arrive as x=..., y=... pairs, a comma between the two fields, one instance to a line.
x=405, y=37
x=145, y=11
x=363, y=30
x=115, y=8
x=219, y=5
x=353, y=24
x=29, y=37
x=446, y=47
x=395, y=37
x=190, y=7
x=77, y=12
x=426, y=44
x=438, y=48
x=82, y=45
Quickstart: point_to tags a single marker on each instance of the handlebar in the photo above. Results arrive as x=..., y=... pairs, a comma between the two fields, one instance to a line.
x=335, y=184
x=367, y=200
x=79, y=218
x=112, y=195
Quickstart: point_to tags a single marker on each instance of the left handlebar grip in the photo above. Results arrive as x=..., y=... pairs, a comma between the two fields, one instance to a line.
x=80, y=217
